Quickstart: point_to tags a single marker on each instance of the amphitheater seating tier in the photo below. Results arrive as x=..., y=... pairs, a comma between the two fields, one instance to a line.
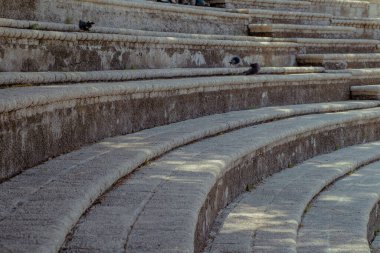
x=140, y=136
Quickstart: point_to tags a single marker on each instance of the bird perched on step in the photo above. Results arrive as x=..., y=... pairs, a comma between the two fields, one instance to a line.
x=85, y=26
x=235, y=60
x=253, y=70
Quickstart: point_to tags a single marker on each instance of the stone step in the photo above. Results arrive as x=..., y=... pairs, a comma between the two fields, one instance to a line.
x=340, y=61
x=35, y=50
x=306, y=31
x=267, y=218
x=41, y=205
x=306, y=44
x=356, y=44
x=344, y=216
x=283, y=5
x=284, y=17
x=186, y=193
x=365, y=91
x=142, y=15
x=29, y=78
x=84, y=113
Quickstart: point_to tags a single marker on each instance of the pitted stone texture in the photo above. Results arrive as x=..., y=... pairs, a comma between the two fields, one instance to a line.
x=177, y=197
x=339, y=218
x=63, y=188
x=267, y=218
x=19, y=78
x=34, y=50
x=57, y=119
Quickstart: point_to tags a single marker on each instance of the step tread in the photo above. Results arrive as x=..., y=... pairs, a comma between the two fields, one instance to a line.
x=183, y=180
x=9, y=78
x=17, y=98
x=272, y=211
x=345, y=205
x=54, y=207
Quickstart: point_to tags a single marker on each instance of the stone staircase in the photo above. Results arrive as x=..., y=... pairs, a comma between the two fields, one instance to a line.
x=139, y=136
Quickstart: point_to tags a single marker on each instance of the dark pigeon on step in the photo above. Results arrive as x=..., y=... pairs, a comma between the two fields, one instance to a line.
x=85, y=26
x=255, y=68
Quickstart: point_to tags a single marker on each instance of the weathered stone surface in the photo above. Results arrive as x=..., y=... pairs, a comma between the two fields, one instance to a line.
x=130, y=14
x=60, y=182
x=267, y=218
x=42, y=122
x=33, y=50
x=339, y=220
x=190, y=185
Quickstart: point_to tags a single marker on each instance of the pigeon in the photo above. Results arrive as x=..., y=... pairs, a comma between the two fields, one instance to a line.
x=235, y=60
x=85, y=26
x=255, y=68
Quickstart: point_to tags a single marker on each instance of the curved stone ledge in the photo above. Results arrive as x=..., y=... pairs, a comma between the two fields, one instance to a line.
x=358, y=195
x=273, y=210
x=130, y=14
x=187, y=195
x=39, y=78
x=120, y=155
x=30, y=50
x=51, y=120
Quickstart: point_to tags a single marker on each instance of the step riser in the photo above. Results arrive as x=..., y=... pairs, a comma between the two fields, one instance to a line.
x=126, y=15
x=254, y=167
x=60, y=127
x=56, y=55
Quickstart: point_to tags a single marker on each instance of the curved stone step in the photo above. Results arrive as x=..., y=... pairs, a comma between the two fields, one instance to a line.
x=35, y=50
x=267, y=218
x=350, y=60
x=130, y=14
x=170, y=204
x=341, y=219
x=27, y=78
x=50, y=198
x=305, y=31
x=56, y=119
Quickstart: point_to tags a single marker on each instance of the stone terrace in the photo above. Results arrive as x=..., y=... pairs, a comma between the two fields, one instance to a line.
x=139, y=136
